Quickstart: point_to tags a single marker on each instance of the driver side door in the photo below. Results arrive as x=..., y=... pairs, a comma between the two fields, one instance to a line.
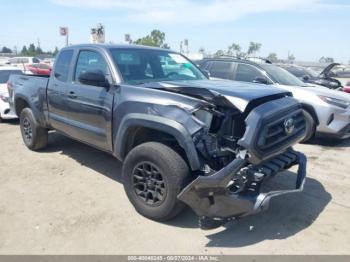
x=90, y=106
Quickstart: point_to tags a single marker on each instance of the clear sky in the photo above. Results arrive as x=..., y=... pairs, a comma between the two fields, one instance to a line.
x=307, y=28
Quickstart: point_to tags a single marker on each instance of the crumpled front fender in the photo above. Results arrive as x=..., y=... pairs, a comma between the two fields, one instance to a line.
x=210, y=196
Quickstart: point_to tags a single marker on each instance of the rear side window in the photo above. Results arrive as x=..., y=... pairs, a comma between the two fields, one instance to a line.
x=221, y=70
x=62, y=65
x=247, y=73
x=5, y=74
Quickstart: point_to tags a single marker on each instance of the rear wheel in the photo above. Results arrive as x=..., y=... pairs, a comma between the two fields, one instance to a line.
x=310, y=127
x=34, y=136
x=153, y=176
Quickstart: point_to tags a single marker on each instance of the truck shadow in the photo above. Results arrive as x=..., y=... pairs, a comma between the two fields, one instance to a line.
x=287, y=215
x=85, y=155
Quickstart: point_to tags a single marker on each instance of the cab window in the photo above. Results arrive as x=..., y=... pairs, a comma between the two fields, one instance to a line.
x=247, y=73
x=90, y=61
x=62, y=65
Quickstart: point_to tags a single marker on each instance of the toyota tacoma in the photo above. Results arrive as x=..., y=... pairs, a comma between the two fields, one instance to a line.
x=183, y=139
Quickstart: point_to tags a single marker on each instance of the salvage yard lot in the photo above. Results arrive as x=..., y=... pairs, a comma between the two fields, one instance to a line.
x=68, y=199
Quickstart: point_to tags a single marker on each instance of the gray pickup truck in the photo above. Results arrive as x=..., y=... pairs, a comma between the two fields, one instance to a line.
x=182, y=138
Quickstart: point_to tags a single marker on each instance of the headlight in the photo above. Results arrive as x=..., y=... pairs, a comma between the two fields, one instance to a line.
x=204, y=116
x=335, y=102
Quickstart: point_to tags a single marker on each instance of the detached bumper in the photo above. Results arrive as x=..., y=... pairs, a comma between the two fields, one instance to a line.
x=234, y=191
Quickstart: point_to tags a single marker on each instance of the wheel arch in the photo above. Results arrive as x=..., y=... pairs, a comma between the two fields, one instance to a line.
x=310, y=109
x=138, y=128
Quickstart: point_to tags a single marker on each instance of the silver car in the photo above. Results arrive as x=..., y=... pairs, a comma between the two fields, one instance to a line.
x=328, y=111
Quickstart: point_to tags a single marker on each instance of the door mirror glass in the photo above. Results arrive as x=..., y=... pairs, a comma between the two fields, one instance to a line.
x=94, y=78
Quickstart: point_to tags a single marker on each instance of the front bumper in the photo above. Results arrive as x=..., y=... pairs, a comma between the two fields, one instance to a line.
x=335, y=122
x=213, y=199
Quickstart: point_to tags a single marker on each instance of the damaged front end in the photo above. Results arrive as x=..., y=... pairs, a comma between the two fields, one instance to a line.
x=239, y=151
x=234, y=191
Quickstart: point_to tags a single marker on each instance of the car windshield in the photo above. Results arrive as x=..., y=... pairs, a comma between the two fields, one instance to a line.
x=312, y=72
x=5, y=74
x=282, y=76
x=139, y=66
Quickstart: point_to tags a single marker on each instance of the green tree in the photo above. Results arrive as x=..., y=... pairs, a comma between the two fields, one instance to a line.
x=234, y=49
x=6, y=50
x=272, y=57
x=291, y=58
x=156, y=38
x=219, y=53
x=324, y=59
x=38, y=51
x=55, y=52
x=253, y=48
x=31, y=50
x=24, y=50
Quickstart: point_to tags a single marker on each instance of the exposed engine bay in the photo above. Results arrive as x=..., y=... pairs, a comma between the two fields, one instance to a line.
x=238, y=152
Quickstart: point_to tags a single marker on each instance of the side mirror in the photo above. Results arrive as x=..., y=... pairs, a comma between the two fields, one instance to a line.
x=305, y=78
x=206, y=73
x=93, y=78
x=261, y=80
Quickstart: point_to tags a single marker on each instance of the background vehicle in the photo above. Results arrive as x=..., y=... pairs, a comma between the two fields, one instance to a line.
x=346, y=88
x=307, y=75
x=181, y=137
x=327, y=110
x=39, y=69
x=5, y=111
x=20, y=61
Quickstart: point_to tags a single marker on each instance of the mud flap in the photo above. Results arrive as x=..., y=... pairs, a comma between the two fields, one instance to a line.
x=213, y=202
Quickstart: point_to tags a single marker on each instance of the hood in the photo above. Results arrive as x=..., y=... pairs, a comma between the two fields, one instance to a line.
x=318, y=90
x=328, y=69
x=222, y=92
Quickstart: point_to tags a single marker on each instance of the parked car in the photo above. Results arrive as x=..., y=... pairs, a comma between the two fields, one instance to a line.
x=25, y=60
x=346, y=88
x=5, y=110
x=182, y=138
x=327, y=110
x=307, y=75
x=39, y=69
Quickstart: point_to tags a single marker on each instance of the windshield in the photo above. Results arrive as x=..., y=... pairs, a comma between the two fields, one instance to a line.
x=5, y=74
x=139, y=66
x=282, y=76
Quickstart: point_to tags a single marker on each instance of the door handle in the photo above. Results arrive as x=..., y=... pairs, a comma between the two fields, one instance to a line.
x=72, y=95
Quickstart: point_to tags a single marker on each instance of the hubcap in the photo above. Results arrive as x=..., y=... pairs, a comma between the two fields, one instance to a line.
x=149, y=184
x=27, y=129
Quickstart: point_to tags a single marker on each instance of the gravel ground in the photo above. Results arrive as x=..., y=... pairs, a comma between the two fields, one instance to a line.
x=69, y=199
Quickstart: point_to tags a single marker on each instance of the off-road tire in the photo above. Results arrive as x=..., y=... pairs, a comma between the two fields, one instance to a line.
x=174, y=172
x=34, y=136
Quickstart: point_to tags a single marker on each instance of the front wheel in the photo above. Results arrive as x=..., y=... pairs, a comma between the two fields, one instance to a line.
x=34, y=136
x=153, y=176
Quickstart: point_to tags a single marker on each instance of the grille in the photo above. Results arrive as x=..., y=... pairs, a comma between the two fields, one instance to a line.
x=281, y=131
